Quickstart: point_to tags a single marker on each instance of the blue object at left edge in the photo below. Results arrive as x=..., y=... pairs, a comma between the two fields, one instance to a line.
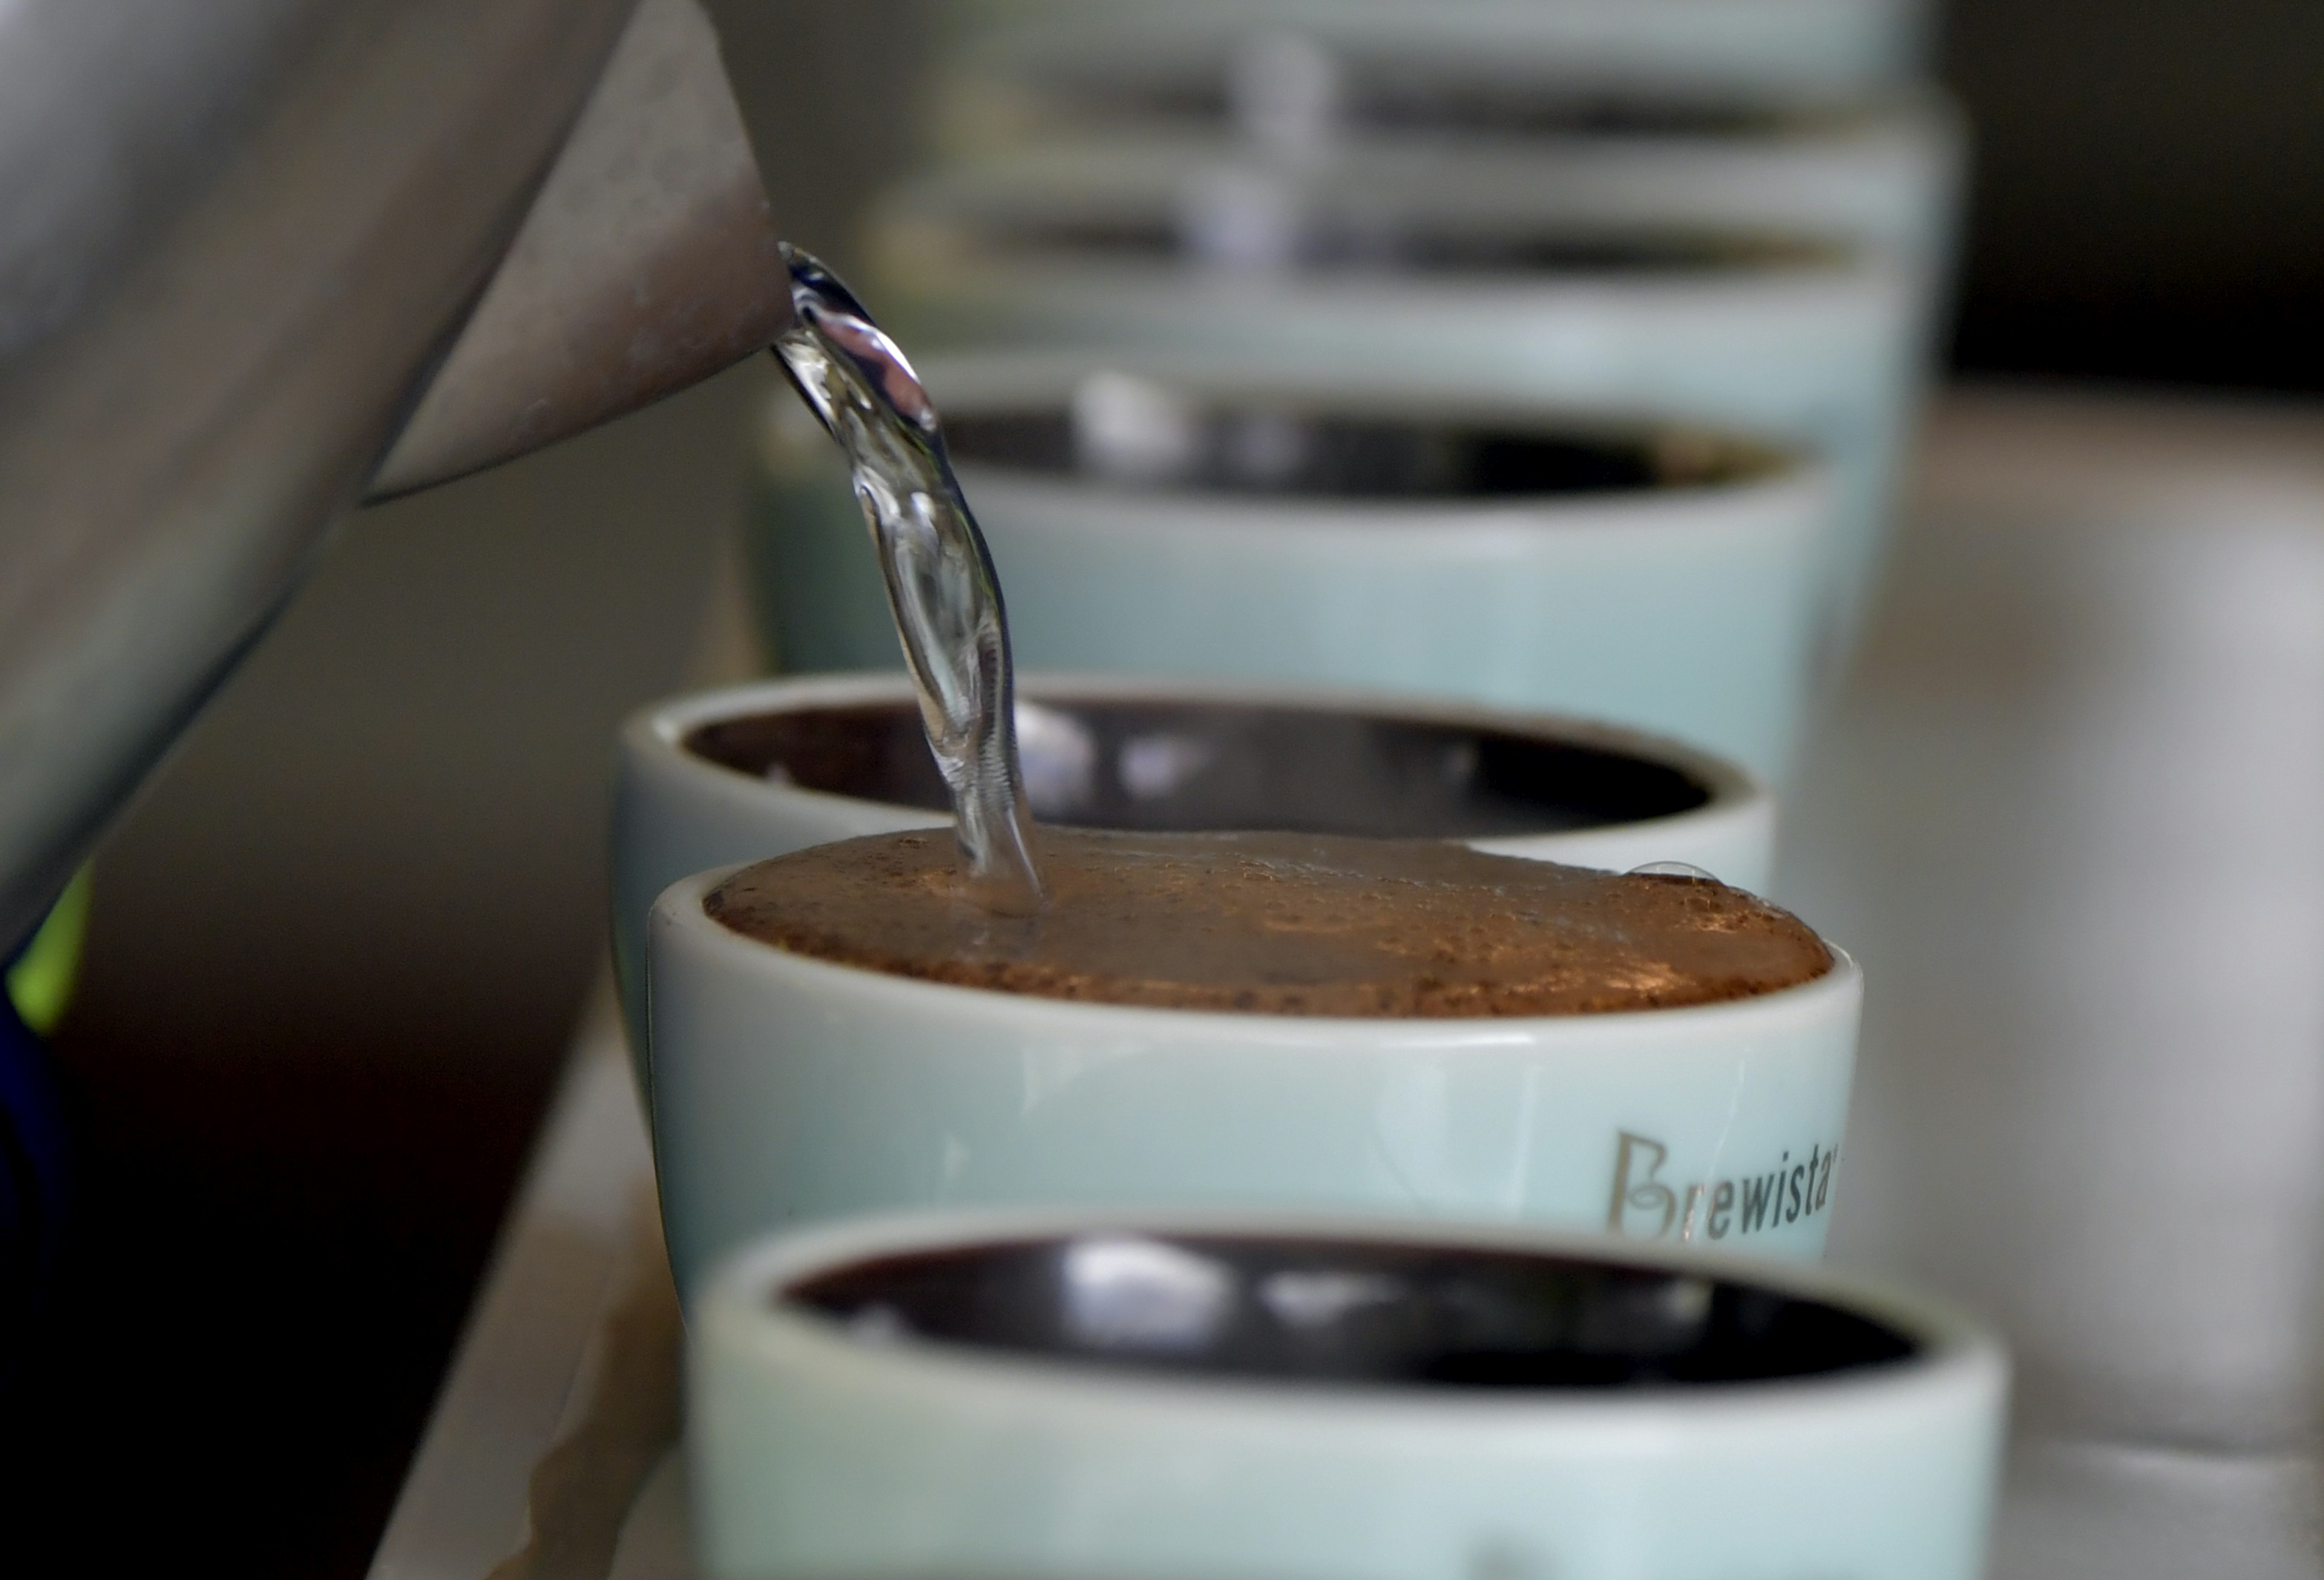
x=32, y=1179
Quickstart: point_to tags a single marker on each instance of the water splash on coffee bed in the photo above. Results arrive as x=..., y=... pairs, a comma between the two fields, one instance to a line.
x=940, y=581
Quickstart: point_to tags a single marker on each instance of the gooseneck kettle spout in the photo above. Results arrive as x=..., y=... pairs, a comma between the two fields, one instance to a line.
x=246, y=245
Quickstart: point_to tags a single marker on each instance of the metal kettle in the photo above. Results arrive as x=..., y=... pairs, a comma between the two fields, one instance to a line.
x=260, y=258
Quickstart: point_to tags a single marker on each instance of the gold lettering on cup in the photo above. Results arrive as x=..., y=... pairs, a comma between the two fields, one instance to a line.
x=1648, y=1195
x=1646, y=1207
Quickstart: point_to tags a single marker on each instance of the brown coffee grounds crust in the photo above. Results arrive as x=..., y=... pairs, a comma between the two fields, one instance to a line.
x=1281, y=924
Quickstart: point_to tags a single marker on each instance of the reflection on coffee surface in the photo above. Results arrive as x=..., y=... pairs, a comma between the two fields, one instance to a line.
x=1381, y=102
x=1120, y=431
x=1295, y=91
x=1323, y=1309
x=1281, y=924
x=1160, y=764
x=1243, y=234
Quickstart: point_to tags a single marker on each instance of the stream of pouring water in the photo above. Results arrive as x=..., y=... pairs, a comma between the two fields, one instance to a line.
x=940, y=582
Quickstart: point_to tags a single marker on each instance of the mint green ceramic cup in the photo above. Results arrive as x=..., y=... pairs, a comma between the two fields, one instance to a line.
x=1050, y=1396
x=786, y=1089
x=1165, y=516
x=1804, y=335
x=752, y=771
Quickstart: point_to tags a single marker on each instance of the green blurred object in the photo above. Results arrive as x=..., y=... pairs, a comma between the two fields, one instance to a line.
x=40, y=982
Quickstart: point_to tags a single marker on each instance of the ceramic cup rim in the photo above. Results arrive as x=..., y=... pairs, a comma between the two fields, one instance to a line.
x=1954, y=1350
x=1121, y=169
x=948, y=216
x=656, y=734
x=679, y=911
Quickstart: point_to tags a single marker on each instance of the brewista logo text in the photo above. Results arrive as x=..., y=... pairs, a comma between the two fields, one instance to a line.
x=1648, y=1206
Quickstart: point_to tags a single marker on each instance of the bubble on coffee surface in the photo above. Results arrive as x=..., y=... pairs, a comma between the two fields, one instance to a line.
x=1282, y=924
x=1686, y=869
x=941, y=584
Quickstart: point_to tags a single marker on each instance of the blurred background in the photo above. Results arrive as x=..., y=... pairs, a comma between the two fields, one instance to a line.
x=339, y=947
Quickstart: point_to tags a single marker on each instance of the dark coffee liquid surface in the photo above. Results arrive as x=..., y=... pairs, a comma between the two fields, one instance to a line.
x=1317, y=1309
x=1252, y=448
x=1381, y=103
x=1296, y=925
x=1332, y=245
x=1186, y=766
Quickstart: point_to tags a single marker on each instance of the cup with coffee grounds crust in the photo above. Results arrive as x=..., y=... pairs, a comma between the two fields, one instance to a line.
x=1289, y=1021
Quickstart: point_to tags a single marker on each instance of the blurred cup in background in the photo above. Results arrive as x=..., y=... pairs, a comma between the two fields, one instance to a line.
x=1210, y=517
x=1009, y=63
x=1887, y=173
x=1402, y=293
